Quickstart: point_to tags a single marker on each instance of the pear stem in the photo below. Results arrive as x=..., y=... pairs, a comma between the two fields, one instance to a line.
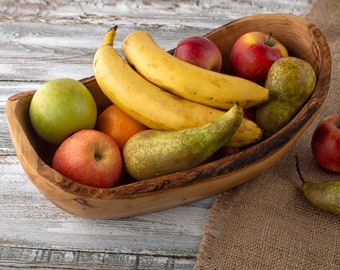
x=297, y=163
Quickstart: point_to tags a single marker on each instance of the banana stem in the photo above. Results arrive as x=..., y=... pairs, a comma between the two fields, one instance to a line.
x=109, y=36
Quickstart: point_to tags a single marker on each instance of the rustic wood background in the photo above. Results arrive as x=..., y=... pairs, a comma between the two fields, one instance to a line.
x=44, y=40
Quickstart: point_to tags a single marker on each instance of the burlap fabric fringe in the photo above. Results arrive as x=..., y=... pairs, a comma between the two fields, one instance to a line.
x=267, y=223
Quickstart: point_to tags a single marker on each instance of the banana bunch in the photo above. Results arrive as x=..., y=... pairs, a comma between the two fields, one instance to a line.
x=158, y=109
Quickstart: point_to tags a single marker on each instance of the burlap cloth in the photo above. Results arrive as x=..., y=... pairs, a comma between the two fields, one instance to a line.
x=266, y=223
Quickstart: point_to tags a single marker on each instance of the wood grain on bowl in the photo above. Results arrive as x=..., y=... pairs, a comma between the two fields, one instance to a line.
x=302, y=39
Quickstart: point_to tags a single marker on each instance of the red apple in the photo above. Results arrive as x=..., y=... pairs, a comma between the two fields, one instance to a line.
x=325, y=143
x=89, y=157
x=200, y=51
x=252, y=55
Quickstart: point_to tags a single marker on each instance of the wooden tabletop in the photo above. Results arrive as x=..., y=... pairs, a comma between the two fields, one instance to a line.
x=44, y=40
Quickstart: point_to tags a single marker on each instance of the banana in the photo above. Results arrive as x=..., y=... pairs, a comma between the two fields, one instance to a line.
x=186, y=80
x=248, y=133
x=151, y=105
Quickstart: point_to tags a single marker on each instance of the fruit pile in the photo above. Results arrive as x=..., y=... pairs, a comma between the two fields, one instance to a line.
x=169, y=112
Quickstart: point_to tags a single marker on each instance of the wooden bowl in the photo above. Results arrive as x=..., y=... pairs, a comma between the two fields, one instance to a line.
x=302, y=39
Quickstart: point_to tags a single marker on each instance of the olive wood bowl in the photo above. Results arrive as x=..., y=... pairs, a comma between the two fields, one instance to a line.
x=129, y=198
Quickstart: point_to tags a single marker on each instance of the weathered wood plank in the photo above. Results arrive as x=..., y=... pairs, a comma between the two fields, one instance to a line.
x=73, y=259
x=92, y=11
x=34, y=52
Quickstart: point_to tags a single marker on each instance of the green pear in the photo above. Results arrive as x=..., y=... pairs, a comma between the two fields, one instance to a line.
x=323, y=195
x=290, y=81
x=153, y=153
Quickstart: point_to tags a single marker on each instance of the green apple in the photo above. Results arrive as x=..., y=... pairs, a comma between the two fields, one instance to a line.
x=61, y=107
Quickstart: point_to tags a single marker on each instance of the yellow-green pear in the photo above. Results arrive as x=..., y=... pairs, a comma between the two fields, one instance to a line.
x=290, y=81
x=324, y=195
x=152, y=153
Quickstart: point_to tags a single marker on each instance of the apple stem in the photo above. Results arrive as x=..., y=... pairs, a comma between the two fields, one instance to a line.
x=269, y=42
x=269, y=37
x=298, y=168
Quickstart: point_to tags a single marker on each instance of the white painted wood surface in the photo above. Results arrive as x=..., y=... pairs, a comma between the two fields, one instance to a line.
x=44, y=40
